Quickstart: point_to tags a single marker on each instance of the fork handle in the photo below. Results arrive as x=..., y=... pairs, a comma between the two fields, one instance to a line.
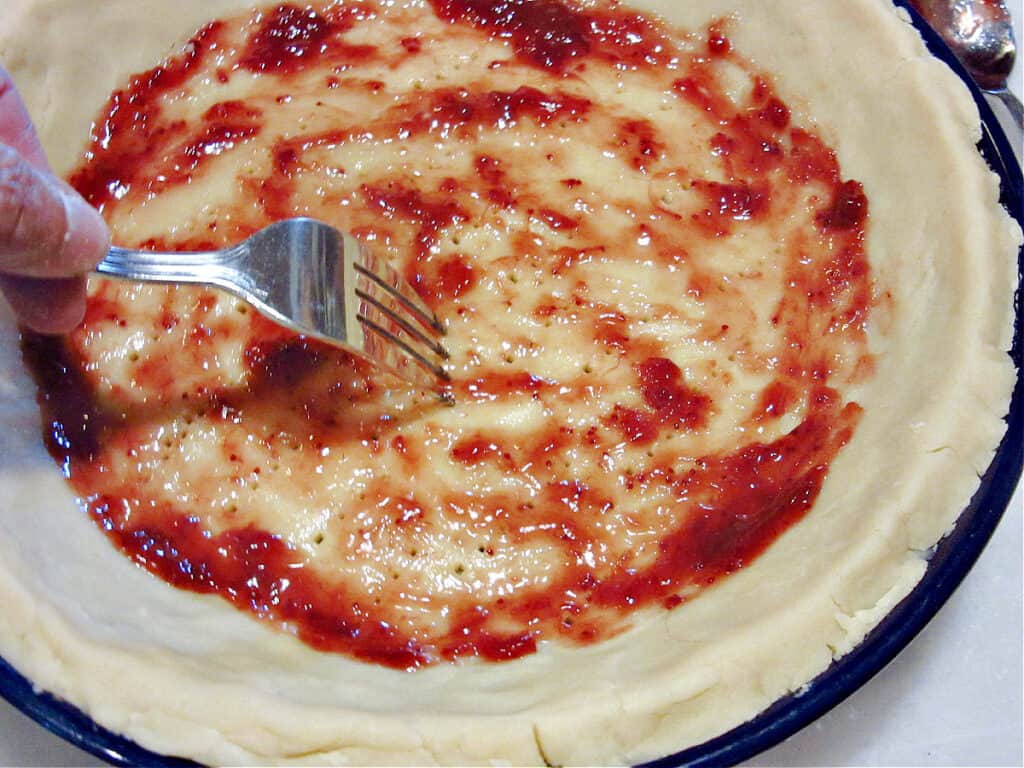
x=204, y=267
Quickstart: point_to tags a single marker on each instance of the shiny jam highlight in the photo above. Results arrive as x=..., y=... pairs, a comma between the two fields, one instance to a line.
x=654, y=306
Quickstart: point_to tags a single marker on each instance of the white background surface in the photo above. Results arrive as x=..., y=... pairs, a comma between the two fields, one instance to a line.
x=953, y=697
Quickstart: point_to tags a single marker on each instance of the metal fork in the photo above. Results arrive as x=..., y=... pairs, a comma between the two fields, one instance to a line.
x=317, y=281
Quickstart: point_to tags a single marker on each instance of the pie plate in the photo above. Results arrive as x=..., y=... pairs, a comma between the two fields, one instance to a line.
x=949, y=563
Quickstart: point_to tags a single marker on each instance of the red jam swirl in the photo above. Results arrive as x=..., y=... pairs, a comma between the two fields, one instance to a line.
x=731, y=505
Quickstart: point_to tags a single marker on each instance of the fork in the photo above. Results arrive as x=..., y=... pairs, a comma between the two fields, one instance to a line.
x=317, y=281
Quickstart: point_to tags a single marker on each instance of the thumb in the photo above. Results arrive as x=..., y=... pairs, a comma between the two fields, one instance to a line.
x=46, y=229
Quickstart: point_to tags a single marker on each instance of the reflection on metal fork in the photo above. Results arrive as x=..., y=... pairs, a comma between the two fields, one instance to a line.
x=317, y=281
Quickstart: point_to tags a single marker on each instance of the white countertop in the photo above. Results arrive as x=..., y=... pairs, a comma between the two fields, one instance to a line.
x=953, y=697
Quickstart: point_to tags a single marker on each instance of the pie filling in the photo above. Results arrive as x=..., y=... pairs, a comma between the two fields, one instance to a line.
x=655, y=287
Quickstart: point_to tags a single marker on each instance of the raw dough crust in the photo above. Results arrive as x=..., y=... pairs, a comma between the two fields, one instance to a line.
x=190, y=676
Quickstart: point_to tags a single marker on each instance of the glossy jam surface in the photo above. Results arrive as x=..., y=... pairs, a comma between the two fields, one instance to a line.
x=655, y=286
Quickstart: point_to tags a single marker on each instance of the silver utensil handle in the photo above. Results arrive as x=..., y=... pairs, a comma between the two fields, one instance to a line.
x=1013, y=106
x=202, y=267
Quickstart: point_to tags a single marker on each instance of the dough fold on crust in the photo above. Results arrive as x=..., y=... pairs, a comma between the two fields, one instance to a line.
x=189, y=676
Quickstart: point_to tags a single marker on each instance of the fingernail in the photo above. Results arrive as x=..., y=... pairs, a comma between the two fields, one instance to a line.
x=87, y=238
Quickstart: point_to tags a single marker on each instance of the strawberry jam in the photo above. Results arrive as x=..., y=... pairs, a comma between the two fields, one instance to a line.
x=651, y=340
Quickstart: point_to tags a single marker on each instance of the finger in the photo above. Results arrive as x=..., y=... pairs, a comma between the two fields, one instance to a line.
x=55, y=305
x=46, y=306
x=16, y=126
x=46, y=228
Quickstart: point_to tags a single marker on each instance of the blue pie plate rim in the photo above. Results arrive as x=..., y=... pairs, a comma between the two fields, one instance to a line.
x=950, y=562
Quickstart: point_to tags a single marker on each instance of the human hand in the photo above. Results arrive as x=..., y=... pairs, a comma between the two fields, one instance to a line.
x=49, y=236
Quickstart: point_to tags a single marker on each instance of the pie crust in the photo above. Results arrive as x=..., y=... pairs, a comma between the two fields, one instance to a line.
x=190, y=676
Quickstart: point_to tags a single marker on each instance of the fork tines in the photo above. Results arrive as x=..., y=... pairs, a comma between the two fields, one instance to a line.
x=400, y=331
